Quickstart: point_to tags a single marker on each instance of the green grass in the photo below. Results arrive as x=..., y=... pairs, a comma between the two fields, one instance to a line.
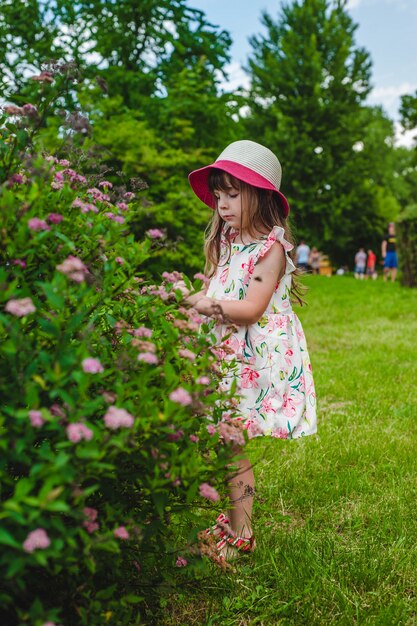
x=335, y=515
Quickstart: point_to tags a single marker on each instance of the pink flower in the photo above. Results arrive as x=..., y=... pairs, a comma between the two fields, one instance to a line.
x=193, y=438
x=142, y=332
x=172, y=277
x=122, y=206
x=57, y=411
x=77, y=431
x=20, y=307
x=121, y=533
x=289, y=405
x=280, y=433
x=74, y=268
x=181, y=396
x=148, y=357
x=37, y=539
x=36, y=419
x=155, y=233
x=203, y=277
x=90, y=513
x=98, y=195
x=175, y=436
x=19, y=262
x=55, y=218
x=120, y=260
x=109, y=396
x=209, y=492
x=90, y=527
x=119, y=219
x=64, y=162
x=181, y=562
x=129, y=195
x=211, y=429
x=203, y=380
x=249, y=377
x=288, y=356
x=118, y=418
x=105, y=183
x=187, y=354
x=30, y=110
x=92, y=366
x=37, y=224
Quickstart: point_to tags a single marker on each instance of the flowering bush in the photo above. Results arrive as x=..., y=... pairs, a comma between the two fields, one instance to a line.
x=109, y=401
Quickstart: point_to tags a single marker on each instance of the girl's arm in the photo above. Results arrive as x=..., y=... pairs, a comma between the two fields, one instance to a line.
x=268, y=271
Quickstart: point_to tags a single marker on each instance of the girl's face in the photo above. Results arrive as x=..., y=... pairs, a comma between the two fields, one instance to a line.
x=229, y=206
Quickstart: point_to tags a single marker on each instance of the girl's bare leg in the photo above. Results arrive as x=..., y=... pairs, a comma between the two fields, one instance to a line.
x=242, y=491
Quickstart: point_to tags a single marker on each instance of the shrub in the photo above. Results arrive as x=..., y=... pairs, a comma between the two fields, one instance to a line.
x=407, y=245
x=109, y=401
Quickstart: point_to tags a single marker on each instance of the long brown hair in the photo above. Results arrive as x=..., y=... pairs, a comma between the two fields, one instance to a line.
x=262, y=210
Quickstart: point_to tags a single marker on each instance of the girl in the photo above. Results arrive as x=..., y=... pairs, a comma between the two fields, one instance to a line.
x=249, y=263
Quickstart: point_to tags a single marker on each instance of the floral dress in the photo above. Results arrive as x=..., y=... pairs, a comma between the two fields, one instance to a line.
x=269, y=358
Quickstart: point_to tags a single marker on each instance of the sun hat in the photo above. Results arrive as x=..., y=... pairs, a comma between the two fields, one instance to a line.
x=247, y=161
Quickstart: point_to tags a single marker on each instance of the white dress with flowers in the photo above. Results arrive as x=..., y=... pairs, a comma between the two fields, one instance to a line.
x=272, y=365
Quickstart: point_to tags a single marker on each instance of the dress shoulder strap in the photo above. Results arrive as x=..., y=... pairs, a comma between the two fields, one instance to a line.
x=277, y=234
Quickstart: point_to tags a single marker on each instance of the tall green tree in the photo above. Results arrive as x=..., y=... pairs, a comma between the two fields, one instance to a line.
x=151, y=89
x=309, y=84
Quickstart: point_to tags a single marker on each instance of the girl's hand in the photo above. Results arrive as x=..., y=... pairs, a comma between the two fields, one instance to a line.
x=204, y=305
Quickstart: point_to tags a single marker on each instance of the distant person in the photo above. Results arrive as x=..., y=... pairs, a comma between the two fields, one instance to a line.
x=360, y=263
x=314, y=260
x=389, y=253
x=370, y=265
x=302, y=255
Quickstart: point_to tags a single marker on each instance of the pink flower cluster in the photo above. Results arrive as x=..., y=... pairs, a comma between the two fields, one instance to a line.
x=187, y=354
x=90, y=523
x=148, y=357
x=105, y=183
x=155, y=233
x=36, y=419
x=85, y=207
x=115, y=218
x=98, y=196
x=181, y=396
x=36, y=224
x=172, y=277
x=203, y=380
x=92, y=366
x=122, y=206
x=20, y=307
x=142, y=332
x=209, y=492
x=121, y=533
x=77, y=431
x=55, y=218
x=74, y=268
x=36, y=540
x=118, y=418
x=181, y=562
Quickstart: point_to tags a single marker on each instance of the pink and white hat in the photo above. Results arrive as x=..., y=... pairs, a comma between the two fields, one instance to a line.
x=247, y=161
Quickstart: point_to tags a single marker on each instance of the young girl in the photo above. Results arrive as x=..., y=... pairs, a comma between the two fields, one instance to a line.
x=248, y=253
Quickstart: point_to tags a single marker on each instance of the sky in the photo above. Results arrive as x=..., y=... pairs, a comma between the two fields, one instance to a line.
x=386, y=28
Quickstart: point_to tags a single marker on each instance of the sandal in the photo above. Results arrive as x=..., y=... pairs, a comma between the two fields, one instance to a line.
x=222, y=525
x=241, y=544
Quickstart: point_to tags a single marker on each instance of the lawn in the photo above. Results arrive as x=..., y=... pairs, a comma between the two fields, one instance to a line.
x=335, y=515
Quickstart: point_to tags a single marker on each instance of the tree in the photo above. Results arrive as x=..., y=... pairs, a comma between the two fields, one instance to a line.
x=309, y=84
x=151, y=73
